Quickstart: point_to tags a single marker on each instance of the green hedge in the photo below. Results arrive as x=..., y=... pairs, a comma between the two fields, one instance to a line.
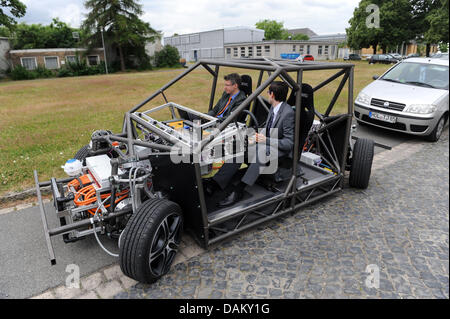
x=71, y=69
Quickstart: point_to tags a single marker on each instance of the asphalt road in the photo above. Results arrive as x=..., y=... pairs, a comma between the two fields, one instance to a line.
x=24, y=265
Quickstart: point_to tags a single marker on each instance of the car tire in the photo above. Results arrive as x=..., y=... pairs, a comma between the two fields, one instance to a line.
x=151, y=240
x=82, y=154
x=361, y=164
x=437, y=131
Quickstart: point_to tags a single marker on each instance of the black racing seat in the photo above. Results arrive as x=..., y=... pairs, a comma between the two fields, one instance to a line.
x=284, y=171
x=246, y=87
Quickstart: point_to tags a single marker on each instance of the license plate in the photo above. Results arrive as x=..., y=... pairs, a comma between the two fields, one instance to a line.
x=383, y=117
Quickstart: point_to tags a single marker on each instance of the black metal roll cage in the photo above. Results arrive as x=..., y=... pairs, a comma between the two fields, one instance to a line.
x=209, y=229
x=298, y=198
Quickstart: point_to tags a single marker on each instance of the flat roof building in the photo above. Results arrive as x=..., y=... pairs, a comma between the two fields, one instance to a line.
x=211, y=44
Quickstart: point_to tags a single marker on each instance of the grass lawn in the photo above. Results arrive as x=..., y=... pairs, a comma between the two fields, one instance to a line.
x=45, y=122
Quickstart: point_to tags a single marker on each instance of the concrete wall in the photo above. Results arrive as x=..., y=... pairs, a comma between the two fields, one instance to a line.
x=4, y=60
x=210, y=44
x=194, y=46
x=152, y=47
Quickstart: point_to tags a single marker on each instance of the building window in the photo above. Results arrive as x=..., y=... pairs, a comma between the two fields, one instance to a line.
x=294, y=48
x=235, y=52
x=29, y=63
x=258, y=50
x=228, y=50
x=51, y=62
x=250, y=51
x=242, y=51
x=93, y=60
x=308, y=49
x=71, y=59
x=267, y=49
x=301, y=49
x=319, y=51
x=326, y=50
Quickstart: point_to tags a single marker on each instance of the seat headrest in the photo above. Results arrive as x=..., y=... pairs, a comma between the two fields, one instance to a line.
x=307, y=97
x=246, y=84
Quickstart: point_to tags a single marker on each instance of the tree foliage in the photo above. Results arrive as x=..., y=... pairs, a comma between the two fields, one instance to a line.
x=36, y=36
x=274, y=30
x=438, y=23
x=123, y=29
x=394, y=18
x=167, y=57
x=15, y=8
x=425, y=21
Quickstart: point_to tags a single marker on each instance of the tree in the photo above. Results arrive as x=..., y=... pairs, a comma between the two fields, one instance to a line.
x=120, y=22
x=36, y=36
x=420, y=24
x=438, y=24
x=167, y=57
x=16, y=8
x=393, y=29
x=274, y=30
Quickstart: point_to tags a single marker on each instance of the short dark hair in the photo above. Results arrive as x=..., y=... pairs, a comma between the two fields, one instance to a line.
x=280, y=90
x=234, y=78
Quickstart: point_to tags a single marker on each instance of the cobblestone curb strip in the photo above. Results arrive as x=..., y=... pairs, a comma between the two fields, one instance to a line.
x=399, y=225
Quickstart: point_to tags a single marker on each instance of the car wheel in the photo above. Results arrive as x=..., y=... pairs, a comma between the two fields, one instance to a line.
x=361, y=164
x=151, y=240
x=82, y=154
x=437, y=131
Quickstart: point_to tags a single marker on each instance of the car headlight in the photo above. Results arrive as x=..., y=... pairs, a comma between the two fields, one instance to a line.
x=420, y=108
x=363, y=98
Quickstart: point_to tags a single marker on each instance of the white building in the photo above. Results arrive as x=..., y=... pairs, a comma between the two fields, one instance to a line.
x=211, y=44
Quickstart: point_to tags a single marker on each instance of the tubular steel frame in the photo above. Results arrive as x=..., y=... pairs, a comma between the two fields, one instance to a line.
x=293, y=196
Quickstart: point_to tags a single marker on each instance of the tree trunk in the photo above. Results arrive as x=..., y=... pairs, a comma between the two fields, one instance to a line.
x=427, y=51
x=375, y=48
x=122, y=60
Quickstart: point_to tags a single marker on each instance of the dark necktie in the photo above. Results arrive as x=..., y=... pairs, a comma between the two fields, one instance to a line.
x=269, y=123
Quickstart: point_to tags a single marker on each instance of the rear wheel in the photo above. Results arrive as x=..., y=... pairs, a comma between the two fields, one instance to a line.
x=361, y=166
x=82, y=154
x=437, y=131
x=151, y=240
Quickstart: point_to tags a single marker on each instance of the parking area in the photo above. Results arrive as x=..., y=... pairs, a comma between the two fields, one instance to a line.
x=399, y=227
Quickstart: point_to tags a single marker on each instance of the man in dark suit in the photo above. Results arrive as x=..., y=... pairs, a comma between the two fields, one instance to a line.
x=279, y=131
x=231, y=98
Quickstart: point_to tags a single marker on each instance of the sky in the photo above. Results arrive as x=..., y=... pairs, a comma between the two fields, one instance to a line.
x=183, y=16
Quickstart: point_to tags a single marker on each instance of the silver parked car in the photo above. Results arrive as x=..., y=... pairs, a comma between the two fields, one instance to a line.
x=410, y=97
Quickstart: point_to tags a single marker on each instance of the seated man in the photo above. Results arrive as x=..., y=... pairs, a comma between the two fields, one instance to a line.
x=231, y=98
x=280, y=127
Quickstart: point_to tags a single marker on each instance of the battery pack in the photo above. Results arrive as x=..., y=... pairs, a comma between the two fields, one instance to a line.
x=311, y=158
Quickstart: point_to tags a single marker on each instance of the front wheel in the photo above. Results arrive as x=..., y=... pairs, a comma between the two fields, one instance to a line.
x=361, y=166
x=437, y=131
x=151, y=240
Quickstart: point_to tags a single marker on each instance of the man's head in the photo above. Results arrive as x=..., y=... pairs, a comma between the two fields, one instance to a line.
x=232, y=83
x=278, y=91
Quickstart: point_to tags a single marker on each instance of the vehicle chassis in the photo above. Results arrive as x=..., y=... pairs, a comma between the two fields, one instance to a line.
x=332, y=137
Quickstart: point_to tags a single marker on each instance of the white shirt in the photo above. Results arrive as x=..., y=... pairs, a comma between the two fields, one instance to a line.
x=275, y=112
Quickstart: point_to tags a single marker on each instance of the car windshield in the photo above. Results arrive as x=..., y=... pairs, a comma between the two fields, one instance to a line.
x=419, y=74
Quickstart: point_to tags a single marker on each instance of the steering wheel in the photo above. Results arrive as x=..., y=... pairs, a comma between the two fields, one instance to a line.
x=255, y=125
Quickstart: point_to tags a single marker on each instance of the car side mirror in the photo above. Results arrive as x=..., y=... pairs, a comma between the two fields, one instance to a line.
x=375, y=77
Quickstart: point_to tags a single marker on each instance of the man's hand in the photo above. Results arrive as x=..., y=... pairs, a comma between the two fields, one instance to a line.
x=260, y=138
